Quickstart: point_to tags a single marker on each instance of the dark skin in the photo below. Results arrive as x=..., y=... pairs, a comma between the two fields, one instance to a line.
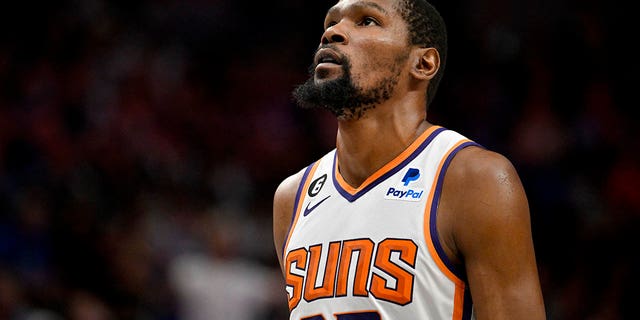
x=483, y=218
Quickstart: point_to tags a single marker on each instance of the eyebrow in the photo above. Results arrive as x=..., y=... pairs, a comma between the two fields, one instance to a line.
x=359, y=5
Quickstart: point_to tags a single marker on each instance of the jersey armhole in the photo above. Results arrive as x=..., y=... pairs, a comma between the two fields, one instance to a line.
x=432, y=238
x=463, y=304
x=300, y=195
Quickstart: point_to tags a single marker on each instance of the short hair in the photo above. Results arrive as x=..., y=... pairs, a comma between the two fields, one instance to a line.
x=427, y=29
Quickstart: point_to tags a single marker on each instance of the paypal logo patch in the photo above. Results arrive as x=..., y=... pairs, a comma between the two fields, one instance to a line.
x=403, y=191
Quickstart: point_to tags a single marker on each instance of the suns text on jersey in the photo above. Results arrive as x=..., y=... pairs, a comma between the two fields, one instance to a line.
x=383, y=270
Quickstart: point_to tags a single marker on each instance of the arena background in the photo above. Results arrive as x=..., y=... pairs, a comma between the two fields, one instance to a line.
x=141, y=143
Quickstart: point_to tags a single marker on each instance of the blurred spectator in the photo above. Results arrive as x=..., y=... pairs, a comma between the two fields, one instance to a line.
x=217, y=283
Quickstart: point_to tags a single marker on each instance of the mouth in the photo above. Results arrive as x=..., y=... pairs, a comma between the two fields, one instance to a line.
x=327, y=56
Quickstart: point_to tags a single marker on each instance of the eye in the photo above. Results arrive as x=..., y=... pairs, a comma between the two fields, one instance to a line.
x=330, y=24
x=369, y=21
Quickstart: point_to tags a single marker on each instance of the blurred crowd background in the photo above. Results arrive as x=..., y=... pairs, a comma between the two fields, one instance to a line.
x=141, y=143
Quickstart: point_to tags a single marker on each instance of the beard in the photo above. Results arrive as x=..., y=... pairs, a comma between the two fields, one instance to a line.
x=342, y=96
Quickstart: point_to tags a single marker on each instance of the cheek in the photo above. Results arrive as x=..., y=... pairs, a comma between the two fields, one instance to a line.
x=383, y=60
x=384, y=52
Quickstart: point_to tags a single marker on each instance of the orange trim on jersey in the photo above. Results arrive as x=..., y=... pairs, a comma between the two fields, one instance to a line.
x=458, y=302
x=298, y=205
x=387, y=167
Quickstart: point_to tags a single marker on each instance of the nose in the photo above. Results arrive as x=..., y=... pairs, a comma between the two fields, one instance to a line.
x=334, y=34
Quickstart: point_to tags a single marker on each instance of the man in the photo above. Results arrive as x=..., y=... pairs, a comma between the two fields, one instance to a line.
x=404, y=219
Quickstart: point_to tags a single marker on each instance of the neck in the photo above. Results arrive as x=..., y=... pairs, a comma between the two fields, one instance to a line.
x=368, y=143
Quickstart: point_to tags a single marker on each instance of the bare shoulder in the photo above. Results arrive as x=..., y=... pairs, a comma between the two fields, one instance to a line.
x=284, y=197
x=487, y=193
x=283, y=202
x=476, y=163
x=483, y=175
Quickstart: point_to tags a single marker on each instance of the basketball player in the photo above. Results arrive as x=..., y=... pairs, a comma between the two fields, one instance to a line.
x=404, y=219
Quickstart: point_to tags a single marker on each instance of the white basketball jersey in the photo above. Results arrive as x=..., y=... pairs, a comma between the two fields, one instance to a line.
x=373, y=252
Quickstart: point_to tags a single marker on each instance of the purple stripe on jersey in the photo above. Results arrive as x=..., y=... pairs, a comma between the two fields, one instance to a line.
x=467, y=305
x=394, y=170
x=305, y=176
x=434, y=211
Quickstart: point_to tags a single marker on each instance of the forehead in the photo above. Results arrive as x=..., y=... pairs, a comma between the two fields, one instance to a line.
x=387, y=7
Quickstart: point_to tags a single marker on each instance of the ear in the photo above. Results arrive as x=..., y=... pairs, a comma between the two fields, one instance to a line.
x=426, y=63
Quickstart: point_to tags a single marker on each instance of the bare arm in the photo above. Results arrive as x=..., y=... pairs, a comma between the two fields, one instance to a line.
x=283, y=202
x=486, y=225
